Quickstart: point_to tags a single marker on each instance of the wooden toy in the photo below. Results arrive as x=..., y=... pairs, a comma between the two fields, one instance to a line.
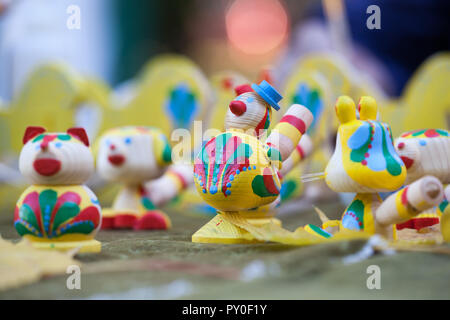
x=237, y=171
x=170, y=93
x=366, y=162
x=132, y=156
x=57, y=210
x=425, y=152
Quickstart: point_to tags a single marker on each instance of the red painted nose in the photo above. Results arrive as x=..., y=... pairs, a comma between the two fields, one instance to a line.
x=237, y=107
x=44, y=145
x=112, y=147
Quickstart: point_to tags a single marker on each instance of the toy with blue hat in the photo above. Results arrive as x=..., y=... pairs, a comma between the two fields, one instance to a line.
x=251, y=110
x=237, y=172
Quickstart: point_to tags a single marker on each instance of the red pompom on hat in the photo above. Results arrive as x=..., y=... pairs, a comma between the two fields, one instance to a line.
x=243, y=88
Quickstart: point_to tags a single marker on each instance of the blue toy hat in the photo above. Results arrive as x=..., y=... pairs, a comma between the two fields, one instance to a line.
x=268, y=93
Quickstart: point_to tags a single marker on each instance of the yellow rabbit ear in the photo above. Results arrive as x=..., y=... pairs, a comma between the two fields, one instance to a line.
x=367, y=108
x=345, y=109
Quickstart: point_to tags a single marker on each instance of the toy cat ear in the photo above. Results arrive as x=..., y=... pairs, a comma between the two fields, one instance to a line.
x=243, y=88
x=367, y=108
x=31, y=132
x=345, y=109
x=80, y=134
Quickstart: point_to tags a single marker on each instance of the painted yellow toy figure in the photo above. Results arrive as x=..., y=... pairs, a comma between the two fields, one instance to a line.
x=366, y=162
x=133, y=156
x=57, y=210
x=427, y=152
x=236, y=172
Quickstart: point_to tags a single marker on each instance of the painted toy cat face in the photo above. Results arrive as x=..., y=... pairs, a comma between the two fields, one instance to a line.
x=425, y=152
x=49, y=158
x=133, y=154
x=364, y=159
x=248, y=112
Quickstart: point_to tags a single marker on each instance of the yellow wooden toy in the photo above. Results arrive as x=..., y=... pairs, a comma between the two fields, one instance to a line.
x=57, y=210
x=236, y=172
x=366, y=162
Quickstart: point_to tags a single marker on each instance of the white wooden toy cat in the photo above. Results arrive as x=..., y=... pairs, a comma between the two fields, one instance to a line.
x=57, y=210
x=133, y=156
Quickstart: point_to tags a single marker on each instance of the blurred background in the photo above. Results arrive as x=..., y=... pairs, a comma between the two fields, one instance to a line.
x=116, y=37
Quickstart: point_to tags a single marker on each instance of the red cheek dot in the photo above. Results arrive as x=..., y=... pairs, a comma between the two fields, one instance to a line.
x=401, y=145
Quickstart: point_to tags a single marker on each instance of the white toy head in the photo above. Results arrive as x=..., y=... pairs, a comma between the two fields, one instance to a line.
x=133, y=155
x=49, y=158
x=250, y=111
x=425, y=152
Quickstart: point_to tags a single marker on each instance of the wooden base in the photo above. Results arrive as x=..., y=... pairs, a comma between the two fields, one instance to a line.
x=84, y=246
x=218, y=230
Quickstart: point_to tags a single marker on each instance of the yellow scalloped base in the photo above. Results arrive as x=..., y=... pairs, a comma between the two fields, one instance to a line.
x=84, y=246
x=218, y=230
